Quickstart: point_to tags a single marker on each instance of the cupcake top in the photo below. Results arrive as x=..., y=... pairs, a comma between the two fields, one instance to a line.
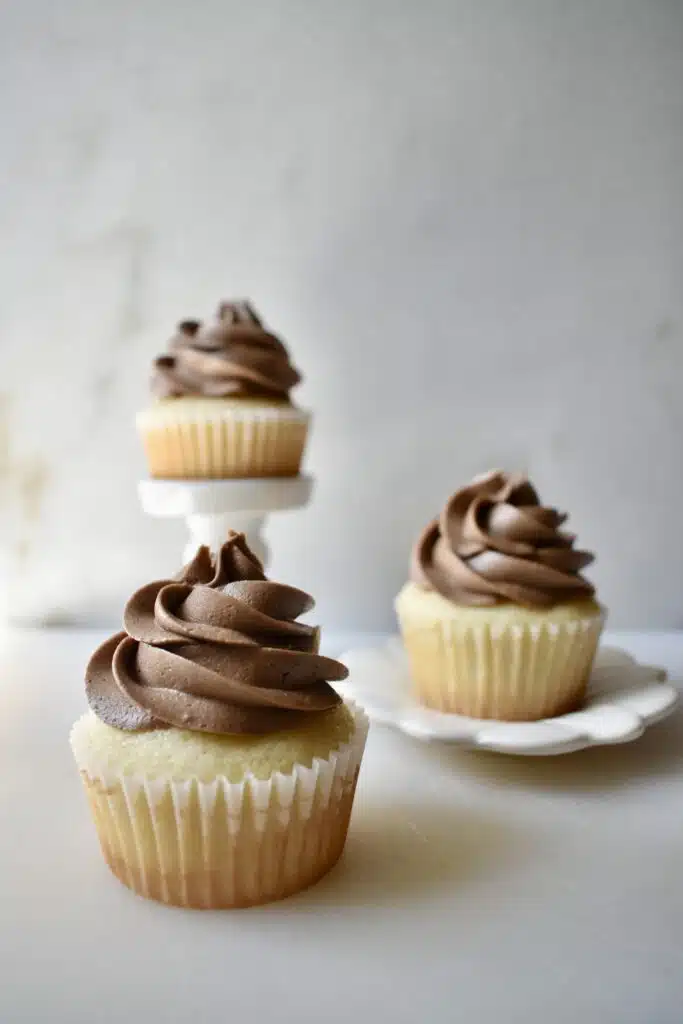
x=233, y=356
x=216, y=650
x=495, y=542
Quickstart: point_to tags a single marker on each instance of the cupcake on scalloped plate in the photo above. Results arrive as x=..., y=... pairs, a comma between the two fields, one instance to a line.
x=223, y=406
x=497, y=619
x=219, y=763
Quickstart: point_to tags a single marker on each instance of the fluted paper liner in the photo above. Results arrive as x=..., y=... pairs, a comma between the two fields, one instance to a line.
x=517, y=673
x=253, y=445
x=222, y=844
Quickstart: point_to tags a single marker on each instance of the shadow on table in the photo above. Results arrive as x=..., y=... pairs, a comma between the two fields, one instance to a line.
x=656, y=754
x=400, y=853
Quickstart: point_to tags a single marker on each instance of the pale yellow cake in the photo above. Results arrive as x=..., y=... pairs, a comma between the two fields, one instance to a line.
x=180, y=754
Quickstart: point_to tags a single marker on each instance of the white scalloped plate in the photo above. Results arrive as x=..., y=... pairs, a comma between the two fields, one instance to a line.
x=622, y=699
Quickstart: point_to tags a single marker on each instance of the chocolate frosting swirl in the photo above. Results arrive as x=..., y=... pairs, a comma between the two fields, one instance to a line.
x=216, y=650
x=494, y=543
x=235, y=356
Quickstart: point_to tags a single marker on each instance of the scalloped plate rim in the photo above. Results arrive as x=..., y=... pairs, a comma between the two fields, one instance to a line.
x=402, y=713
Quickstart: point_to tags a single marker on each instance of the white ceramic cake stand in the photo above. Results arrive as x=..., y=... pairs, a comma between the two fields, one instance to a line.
x=211, y=508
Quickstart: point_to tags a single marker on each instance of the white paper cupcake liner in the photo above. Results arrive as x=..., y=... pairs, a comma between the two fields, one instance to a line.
x=222, y=844
x=513, y=673
x=242, y=444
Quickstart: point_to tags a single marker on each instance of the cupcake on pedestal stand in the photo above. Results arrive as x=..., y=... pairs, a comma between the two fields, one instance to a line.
x=223, y=440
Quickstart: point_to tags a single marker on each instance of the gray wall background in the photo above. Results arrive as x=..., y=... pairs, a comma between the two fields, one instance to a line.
x=465, y=217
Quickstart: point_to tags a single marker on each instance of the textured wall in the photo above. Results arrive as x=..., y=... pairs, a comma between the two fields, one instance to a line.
x=465, y=217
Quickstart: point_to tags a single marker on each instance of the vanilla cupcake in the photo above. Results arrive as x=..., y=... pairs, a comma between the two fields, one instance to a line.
x=497, y=620
x=223, y=407
x=219, y=763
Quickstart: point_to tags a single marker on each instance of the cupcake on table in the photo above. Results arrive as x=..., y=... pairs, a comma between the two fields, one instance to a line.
x=219, y=762
x=497, y=619
x=223, y=406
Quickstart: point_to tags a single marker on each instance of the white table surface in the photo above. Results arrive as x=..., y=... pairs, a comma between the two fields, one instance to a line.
x=474, y=887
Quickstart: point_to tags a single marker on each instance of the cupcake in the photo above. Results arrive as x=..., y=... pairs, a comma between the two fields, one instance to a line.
x=222, y=404
x=219, y=763
x=497, y=620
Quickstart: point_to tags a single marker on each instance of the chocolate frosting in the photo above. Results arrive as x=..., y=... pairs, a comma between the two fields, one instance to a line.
x=216, y=650
x=494, y=543
x=234, y=356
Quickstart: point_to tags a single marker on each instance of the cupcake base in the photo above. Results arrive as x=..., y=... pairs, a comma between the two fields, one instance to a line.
x=213, y=438
x=199, y=858
x=505, y=663
x=222, y=844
